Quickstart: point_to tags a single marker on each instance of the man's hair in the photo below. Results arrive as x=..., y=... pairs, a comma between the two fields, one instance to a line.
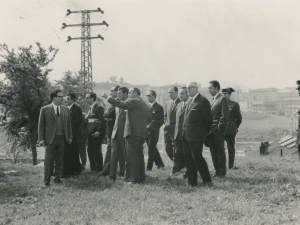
x=54, y=93
x=184, y=88
x=175, y=89
x=153, y=93
x=115, y=88
x=138, y=92
x=215, y=84
x=93, y=95
x=124, y=90
x=72, y=95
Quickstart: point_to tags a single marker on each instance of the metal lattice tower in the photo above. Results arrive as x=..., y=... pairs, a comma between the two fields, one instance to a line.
x=86, y=47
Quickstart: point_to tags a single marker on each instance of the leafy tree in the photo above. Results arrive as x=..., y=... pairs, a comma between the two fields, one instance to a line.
x=113, y=79
x=25, y=89
x=121, y=80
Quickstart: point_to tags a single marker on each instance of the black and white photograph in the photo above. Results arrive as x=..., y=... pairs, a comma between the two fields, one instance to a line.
x=149, y=112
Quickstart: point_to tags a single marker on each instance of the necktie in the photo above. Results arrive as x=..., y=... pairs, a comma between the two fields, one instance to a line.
x=183, y=106
x=57, y=111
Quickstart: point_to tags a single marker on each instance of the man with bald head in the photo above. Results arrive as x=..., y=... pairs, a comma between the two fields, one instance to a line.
x=196, y=125
x=170, y=122
x=135, y=131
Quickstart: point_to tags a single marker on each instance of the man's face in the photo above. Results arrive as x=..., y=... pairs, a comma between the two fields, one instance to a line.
x=191, y=90
x=183, y=95
x=172, y=94
x=151, y=98
x=131, y=93
x=89, y=100
x=113, y=93
x=213, y=90
x=58, y=100
x=69, y=101
x=122, y=96
x=226, y=95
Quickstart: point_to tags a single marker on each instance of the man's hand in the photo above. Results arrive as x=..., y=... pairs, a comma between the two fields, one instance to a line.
x=42, y=143
x=96, y=134
x=69, y=141
x=104, y=95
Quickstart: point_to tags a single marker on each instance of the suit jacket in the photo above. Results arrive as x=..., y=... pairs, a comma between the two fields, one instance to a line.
x=298, y=131
x=157, y=114
x=76, y=119
x=97, y=113
x=197, y=119
x=118, y=130
x=137, y=116
x=179, y=120
x=220, y=114
x=47, y=123
x=234, y=119
x=170, y=117
x=110, y=117
x=82, y=134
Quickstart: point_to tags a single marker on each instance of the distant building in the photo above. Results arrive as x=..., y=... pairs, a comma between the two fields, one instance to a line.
x=267, y=107
x=263, y=94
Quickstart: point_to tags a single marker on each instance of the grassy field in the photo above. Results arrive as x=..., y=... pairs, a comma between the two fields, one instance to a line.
x=265, y=190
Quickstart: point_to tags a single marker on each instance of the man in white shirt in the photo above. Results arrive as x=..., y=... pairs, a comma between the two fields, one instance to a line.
x=54, y=129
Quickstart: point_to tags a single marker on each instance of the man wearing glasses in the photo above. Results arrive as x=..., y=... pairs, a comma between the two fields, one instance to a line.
x=54, y=128
x=196, y=125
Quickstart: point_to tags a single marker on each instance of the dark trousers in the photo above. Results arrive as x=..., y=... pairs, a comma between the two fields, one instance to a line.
x=153, y=153
x=94, y=150
x=179, y=162
x=169, y=146
x=195, y=161
x=82, y=152
x=71, y=162
x=135, y=165
x=107, y=158
x=218, y=155
x=54, y=155
x=230, y=140
x=118, y=153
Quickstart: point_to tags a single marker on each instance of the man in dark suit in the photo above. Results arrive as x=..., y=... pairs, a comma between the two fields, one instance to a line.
x=196, y=125
x=181, y=107
x=157, y=114
x=170, y=122
x=234, y=121
x=298, y=130
x=82, y=140
x=135, y=132
x=96, y=125
x=71, y=163
x=220, y=114
x=54, y=129
x=110, y=117
x=118, y=141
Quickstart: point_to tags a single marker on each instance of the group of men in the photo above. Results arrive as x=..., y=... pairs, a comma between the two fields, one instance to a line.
x=190, y=121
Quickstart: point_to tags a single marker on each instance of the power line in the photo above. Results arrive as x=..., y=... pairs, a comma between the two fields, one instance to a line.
x=86, y=48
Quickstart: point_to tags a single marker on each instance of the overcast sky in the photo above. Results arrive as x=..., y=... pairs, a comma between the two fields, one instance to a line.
x=251, y=43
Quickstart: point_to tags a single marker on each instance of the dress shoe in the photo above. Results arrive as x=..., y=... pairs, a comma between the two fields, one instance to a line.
x=147, y=169
x=208, y=184
x=121, y=174
x=112, y=178
x=185, y=175
x=46, y=186
x=234, y=168
x=58, y=181
x=161, y=166
x=103, y=174
x=216, y=176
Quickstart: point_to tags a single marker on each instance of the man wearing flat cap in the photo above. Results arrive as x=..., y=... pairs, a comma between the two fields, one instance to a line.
x=234, y=121
x=298, y=131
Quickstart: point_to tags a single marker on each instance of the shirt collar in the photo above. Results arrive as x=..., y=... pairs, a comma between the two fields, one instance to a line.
x=174, y=100
x=55, y=106
x=71, y=106
x=92, y=106
x=193, y=98
x=216, y=96
x=151, y=104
